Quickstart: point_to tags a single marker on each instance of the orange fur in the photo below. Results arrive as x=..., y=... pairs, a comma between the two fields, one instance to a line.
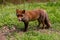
x=37, y=14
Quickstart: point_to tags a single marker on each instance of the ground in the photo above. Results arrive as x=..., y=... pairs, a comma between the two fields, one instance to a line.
x=6, y=32
x=9, y=21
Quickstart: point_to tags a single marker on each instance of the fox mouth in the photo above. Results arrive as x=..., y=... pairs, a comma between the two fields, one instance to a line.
x=19, y=20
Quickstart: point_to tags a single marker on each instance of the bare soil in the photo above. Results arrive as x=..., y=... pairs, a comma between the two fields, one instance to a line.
x=5, y=31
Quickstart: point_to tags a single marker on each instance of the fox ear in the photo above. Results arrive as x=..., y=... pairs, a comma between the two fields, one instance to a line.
x=23, y=11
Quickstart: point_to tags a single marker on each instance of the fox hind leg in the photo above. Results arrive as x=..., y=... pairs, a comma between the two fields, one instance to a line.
x=47, y=24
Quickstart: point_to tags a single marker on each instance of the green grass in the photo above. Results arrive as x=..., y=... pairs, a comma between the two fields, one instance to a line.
x=33, y=35
x=8, y=17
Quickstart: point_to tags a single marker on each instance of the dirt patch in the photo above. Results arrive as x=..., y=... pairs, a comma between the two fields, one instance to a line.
x=2, y=36
x=6, y=31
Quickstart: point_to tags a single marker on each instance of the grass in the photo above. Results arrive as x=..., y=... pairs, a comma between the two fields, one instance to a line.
x=8, y=17
x=33, y=35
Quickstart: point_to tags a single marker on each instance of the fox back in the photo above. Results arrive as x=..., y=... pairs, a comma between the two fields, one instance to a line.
x=24, y=15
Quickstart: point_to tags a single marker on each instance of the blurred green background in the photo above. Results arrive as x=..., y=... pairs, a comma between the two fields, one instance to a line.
x=8, y=17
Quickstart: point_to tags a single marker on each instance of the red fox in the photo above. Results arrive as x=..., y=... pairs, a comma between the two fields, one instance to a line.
x=38, y=14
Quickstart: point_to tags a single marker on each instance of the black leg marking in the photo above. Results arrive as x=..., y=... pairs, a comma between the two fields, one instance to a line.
x=26, y=26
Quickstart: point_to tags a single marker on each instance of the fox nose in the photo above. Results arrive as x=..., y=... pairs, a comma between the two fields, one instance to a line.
x=19, y=19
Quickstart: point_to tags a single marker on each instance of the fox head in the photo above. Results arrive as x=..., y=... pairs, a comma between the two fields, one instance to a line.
x=20, y=14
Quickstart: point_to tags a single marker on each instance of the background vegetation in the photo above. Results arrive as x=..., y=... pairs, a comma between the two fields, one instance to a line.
x=8, y=17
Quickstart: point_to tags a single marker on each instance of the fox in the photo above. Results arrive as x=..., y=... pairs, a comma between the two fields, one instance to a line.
x=30, y=15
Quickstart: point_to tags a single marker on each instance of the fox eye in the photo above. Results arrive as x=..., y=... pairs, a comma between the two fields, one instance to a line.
x=21, y=15
x=18, y=15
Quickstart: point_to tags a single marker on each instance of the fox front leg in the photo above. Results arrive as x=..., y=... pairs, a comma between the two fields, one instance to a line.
x=26, y=26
